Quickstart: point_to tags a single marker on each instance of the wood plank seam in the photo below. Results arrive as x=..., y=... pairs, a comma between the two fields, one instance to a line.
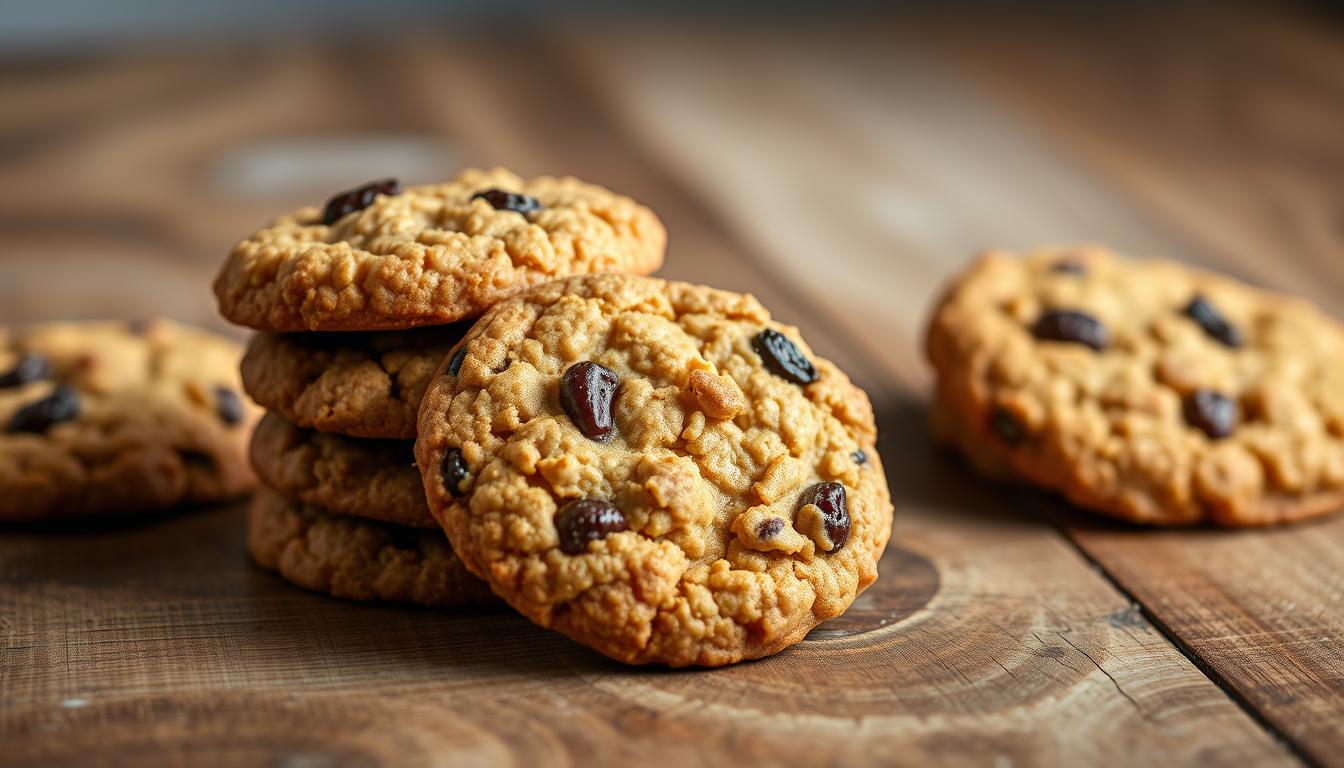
x=1228, y=689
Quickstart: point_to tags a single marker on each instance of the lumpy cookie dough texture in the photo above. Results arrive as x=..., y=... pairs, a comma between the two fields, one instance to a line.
x=1143, y=389
x=359, y=384
x=684, y=518
x=116, y=418
x=375, y=479
x=432, y=254
x=358, y=559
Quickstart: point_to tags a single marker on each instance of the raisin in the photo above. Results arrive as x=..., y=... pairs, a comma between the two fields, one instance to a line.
x=61, y=405
x=508, y=201
x=228, y=406
x=29, y=368
x=357, y=199
x=455, y=362
x=1211, y=413
x=859, y=457
x=1213, y=323
x=782, y=357
x=454, y=470
x=1070, y=326
x=1069, y=267
x=830, y=499
x=586, y=392
x=579, y=522
x=769, y=528
x=1006, y=426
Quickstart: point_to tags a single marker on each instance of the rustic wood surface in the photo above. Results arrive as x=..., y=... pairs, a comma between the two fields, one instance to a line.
x=840, y=173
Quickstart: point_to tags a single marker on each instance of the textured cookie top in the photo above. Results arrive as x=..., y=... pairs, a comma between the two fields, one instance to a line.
x=360, y=384
x=431, y=254
x=655, y=469
x=118, y=417
x=376, y=479
x=1145, y=389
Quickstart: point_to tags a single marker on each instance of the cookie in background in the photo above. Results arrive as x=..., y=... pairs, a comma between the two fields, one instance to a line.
x=1142, y=389
x=119, y=418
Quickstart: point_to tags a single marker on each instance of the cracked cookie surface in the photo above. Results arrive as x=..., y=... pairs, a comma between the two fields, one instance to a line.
x=374, y=479
x=435, y=254
x=119, y=418
x=358, y=559
x=1143, y=389
x=358, y=384
x=626, y=468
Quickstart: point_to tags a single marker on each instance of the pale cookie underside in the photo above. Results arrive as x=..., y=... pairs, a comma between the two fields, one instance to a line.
x=1113, y=430
x=357, y=559
x=432, y=254
x=688, y=583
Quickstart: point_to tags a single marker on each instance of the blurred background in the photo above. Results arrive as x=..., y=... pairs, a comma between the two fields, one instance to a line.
x=837, y=159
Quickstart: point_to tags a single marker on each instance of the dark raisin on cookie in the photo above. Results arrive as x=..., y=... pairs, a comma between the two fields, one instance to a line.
x=1071, y=326
x=830, y=499
x=860, y=457
x=228, y=405
x=769, y=528
x=782, y=358
x=1212, y=413
x=1212, y=321
x=357, y=199
x=581, y=521
x=455, y=362
x=586, y=393
x=501, y=200
x=454, y=471
x=1069, y=267
x=1005, y=425
x=39, y=416
x=29, y=368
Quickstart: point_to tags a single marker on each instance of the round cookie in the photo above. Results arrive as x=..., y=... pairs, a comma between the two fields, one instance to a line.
x=116, y=418
x=358, y=559
x=655, y=469
x=1146, y=390
x=375, y=479
x=358, y=384
x=380, y=257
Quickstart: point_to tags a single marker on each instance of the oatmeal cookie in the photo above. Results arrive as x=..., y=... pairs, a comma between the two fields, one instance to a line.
x=358, y=384
x=655, y=469
x=380, y=257
x=358, y=559
x=1142, y=389
x=115, y=418
x=374, y=479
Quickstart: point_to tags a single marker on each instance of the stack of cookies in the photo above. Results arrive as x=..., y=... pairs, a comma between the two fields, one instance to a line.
x=357, y=304
x=658, y=470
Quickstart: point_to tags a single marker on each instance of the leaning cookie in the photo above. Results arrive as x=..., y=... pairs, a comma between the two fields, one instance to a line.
x=358, y=559
x=383, y=257
x=1146, y=390
x=119, y=418
x=655, y=469
x=359, y=384
x=375, y=479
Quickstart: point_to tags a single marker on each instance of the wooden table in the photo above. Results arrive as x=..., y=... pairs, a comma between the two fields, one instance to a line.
x=840, y=171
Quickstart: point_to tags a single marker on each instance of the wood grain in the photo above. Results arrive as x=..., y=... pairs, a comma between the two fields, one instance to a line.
x=1077, y=151
x=985, y=639
x=1240, y=155
x=840, y=173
